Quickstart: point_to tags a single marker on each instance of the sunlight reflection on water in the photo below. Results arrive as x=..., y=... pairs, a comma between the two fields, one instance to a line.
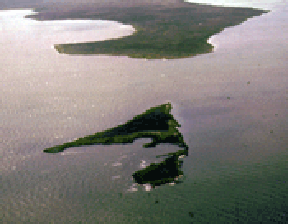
x=41, y=91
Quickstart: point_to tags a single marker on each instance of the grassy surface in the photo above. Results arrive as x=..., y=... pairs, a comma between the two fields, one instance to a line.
x=167, y=171
x=156, y=123
x=162, y=31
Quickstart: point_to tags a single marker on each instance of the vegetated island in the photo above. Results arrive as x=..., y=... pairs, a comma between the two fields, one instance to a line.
x=167, y=171
x=156, y=123
x=163, y=30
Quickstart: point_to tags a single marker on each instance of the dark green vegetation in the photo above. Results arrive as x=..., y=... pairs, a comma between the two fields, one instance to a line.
x=161, y=173
x=163, y=30
x=156, y=123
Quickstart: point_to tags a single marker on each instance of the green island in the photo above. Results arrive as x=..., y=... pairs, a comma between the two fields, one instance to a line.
x=163, y=30
x=168, y=171
x=156, y=123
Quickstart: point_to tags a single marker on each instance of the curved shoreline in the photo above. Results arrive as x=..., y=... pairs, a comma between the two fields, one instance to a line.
x=176, y=31
x=156, y=123
x=211, y=39
x=85, y=26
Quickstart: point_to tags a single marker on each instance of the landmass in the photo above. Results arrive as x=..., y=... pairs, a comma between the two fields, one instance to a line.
x=165, y=29
x=156, y=123
x=167, y=171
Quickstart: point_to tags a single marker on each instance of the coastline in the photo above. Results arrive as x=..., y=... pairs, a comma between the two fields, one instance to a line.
x=214, y=43
x=85, y=30
x=157, y=34
x=141, y=126
x=210, y=41
x=238, y=146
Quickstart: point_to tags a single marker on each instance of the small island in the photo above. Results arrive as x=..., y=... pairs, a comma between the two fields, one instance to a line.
x=167, y=29
x=168, y=171
x=156, y=123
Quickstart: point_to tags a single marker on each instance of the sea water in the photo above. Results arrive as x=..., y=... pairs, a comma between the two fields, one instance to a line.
x=231, y=104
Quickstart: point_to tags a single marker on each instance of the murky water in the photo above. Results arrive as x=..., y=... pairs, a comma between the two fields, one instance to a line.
x=232, y=105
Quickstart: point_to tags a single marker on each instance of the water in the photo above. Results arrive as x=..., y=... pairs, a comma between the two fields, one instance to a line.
x=260, y=4
x=232, y=105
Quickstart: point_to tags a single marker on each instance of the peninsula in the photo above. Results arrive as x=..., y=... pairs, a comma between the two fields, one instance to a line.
x=167, y=29
x=156, y=123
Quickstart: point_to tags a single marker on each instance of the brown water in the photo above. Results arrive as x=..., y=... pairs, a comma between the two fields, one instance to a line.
x=232, y=105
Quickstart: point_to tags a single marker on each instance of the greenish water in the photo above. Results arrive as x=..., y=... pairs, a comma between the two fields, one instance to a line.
x=79, y=189
x=254, y=194
x=236, y=168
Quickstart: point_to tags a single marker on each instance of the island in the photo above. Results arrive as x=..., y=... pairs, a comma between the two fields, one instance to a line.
x=156, y=123
x=167, y=171
x=164, y=29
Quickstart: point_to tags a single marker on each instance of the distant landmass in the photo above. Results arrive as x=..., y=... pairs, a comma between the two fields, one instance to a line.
x=164, y=29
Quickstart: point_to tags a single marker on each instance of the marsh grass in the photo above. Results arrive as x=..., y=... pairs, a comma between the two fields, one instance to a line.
x=162, y=31
x=156, y=123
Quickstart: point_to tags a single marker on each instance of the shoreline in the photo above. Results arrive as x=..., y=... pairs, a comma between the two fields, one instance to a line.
x=221, y=3
x=231, y=146
x=117, y=27
x=157, y=35
x=141, y=126
x=210, y=41
x=213, y=37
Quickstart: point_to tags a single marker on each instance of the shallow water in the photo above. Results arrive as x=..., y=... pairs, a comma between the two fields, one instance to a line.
x=232, y=105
